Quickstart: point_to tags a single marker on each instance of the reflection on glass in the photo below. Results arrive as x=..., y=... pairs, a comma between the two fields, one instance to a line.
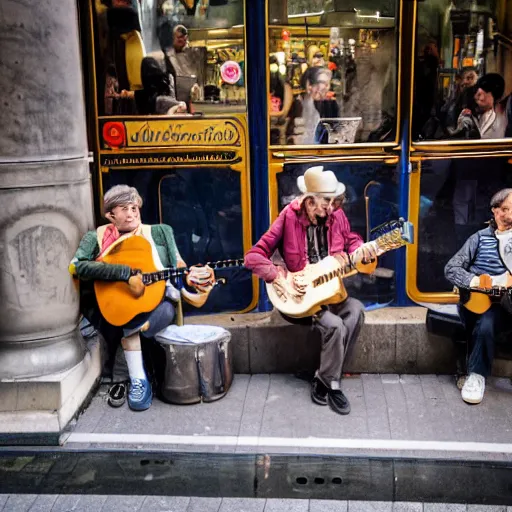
x=454, y=204
x=371, y=199
x=332, y=71
x=169, y=57
x=463, y=71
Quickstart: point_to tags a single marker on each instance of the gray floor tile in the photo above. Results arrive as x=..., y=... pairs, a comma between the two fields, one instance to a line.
x=3, y=499
x=378, y=423
x=420, y=424
x=397, y=406
x=277, y=505
x=370, y=506
x=407, y=506
x=444, y=507
x=166, y=504
x=487, y=508
x=44, y=503
x=204, y=504
x=90, y=503
x=242, y=505
x=19, y=502
x=328, y=506
x=66, y=502
x=254, y=405
x=123, y=504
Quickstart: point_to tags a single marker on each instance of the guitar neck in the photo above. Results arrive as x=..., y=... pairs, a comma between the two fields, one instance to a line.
x=174, y=273
x=382, y=244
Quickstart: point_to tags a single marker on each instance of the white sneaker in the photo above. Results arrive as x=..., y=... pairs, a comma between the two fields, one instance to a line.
x=473, y=389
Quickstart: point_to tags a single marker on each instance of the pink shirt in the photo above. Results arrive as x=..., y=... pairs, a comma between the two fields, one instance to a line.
x=288, y=235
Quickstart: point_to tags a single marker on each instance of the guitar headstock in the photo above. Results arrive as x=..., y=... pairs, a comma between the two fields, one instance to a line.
x=394, y=234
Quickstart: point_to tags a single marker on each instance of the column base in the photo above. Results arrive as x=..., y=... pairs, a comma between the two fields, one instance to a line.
x=36, y=410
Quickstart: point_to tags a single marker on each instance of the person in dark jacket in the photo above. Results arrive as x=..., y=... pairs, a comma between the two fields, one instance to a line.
x=484, y=261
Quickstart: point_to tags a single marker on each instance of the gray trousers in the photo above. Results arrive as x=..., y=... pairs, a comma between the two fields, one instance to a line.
x=338, y=326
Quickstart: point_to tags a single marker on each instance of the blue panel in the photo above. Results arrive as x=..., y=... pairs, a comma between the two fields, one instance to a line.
x=257, y=112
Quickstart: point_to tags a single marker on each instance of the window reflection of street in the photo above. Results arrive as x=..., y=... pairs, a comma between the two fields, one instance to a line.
x=462, y=86
x=454, y=203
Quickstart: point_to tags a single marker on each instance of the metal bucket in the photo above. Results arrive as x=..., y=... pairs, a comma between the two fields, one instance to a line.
x=198, y=363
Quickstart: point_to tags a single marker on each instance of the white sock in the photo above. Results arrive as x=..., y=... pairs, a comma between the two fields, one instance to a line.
x=135, y=364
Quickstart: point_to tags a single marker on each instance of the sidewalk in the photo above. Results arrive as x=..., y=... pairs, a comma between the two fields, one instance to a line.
x=275, y=413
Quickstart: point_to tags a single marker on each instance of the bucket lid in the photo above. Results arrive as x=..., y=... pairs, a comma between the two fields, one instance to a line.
x=191, y=334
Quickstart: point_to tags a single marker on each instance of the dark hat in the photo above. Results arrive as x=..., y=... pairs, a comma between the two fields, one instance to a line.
x=493, y=83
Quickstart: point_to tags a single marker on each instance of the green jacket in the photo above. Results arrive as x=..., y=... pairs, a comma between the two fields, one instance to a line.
x=85, y=267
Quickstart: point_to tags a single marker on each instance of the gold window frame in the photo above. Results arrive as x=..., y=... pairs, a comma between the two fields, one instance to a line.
x=341, y=148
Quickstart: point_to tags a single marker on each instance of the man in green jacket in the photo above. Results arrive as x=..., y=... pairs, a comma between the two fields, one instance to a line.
x=122, y=208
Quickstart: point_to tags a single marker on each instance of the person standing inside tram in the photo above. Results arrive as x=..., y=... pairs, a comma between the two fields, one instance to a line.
x=485, y=261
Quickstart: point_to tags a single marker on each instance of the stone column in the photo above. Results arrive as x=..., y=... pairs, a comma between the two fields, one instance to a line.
x=45, y=189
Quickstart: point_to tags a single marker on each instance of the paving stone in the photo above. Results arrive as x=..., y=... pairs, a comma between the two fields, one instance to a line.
x=378, y=423
x=370, y=506
x=487, y=508
x=397, y=406
x=328, y=506
x=66, y=502
x=242, y=505
x=90, y=503
x=278, y=505
x=204, y=504
x=407, y=506
x=254, y=405
x=444, y=507
x=44, y=503
x=123, y=504
x=419, y=422
x=19, y=502
x=166, y=504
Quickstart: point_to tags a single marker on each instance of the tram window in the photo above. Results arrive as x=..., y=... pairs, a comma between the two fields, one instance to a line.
x=371, y=199
x=454, y=204
x=333, y=71
x=172, y=57
x=463, y=71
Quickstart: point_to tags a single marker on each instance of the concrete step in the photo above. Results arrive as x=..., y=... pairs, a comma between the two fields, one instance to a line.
x=393, y=340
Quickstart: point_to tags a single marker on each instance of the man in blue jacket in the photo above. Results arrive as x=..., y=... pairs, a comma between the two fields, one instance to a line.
x=484, y=261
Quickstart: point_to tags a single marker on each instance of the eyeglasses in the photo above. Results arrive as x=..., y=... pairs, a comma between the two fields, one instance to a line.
x=318, y=55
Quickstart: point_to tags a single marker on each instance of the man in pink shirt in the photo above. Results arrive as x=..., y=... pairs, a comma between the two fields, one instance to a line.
x=309, y=229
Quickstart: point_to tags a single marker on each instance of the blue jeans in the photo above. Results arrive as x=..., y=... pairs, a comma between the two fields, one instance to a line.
x=483, y=331
x=158, y=319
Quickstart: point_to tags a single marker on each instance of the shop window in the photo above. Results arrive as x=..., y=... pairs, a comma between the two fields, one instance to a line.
x=463, y=71
x=454, y=201
x=172, y=57
x=333, y=71
x=371, y=199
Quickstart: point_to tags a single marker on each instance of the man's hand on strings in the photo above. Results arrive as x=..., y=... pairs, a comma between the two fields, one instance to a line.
x=136, y=285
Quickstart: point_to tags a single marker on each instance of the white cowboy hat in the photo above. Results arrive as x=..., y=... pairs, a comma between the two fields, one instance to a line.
x=321, y=183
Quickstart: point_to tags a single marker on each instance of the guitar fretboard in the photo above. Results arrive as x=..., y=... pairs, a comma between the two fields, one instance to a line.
x=174, y=273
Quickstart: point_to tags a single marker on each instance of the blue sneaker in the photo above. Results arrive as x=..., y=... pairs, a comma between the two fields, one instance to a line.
x=140, y=395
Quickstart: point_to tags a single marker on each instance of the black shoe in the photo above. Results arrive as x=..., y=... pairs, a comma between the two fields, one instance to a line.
x=319, y=392
x=337, y=401
x=117, y=394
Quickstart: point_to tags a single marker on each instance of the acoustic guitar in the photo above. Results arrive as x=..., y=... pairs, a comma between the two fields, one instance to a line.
x=115, y=300
x=480, y=299
x=324, y=280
